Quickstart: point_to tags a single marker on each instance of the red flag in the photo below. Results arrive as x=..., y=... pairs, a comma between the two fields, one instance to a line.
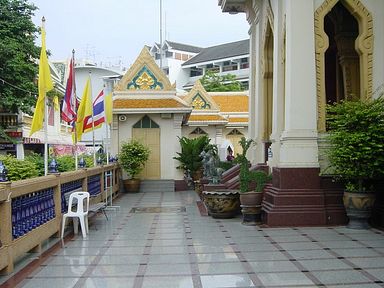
x=68, y=113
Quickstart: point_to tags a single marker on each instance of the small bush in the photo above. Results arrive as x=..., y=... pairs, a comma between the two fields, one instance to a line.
x=19, y=169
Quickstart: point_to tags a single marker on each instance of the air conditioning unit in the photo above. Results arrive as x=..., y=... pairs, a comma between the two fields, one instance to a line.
x=122, y=118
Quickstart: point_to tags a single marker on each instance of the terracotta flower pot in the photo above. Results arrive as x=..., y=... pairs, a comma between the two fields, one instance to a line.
x=132, y=185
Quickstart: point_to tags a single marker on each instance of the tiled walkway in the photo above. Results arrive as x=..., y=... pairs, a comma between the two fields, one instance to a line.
x=177, y=247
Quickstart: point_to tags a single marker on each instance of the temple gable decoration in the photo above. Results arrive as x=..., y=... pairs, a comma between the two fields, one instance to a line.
x=144, y=74
x=199, y=99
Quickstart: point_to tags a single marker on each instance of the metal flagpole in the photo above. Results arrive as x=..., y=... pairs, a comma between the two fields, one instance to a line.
x=74, y=107
x=45, y=135
x=161, y=34
x=109, y=174
x=45, y=121
x=93, y=124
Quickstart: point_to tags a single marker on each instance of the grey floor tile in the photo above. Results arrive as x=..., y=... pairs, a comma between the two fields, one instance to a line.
x=355, y=286
x=166, y=259
x=378, y=273
x=59, y=282
x=371, y=262
x=284, y=279
x=169, y=269
x=223, y=281
x=119, y=259
x=300, y=246
x=168, y=282
x=356, y=252
x=61, y=271
x=217, y=257
x=103, y=282
x=273, y=266
x=222, y=268
x=324, y=264
x=115, y=270
x=341, y=244
x=341, y=278
x=264, y=256
x=311, y=254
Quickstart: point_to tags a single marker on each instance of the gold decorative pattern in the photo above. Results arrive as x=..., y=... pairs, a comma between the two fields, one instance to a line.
x=201, y=97
x=198, y=103
x=146, y=103
x=364, y=45
x=146, y=63
x=206, y=118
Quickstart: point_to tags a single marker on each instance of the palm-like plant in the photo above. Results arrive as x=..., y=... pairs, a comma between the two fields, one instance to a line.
x=189, y=157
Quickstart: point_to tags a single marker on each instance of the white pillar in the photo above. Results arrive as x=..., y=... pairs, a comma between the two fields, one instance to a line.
x=256, y=153
x=219, y=135
x=20, y=151
x=278, y=84
x=177, y=121
x=299, y=139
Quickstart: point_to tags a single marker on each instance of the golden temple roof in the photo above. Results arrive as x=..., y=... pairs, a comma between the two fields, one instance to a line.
x=231, y=103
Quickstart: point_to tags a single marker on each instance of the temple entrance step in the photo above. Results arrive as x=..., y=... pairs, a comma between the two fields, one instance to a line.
x=163, y=185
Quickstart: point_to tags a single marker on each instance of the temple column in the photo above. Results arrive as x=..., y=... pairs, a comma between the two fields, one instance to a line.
x=297, y=196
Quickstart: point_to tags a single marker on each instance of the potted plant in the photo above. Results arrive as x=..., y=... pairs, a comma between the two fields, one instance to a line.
x=356, y=153
x=132, y=158
x=252, y=185
x=220, y=201
x=190, y=156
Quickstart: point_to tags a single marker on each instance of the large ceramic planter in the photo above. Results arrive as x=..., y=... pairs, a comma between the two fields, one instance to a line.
x=358, y=207
x=222, y=203
x=251, y=207
x=132, y=185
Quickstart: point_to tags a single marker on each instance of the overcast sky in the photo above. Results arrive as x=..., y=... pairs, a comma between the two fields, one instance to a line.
x=109, y=30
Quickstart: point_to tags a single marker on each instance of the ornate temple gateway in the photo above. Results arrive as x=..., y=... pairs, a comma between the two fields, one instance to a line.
x=146, y=106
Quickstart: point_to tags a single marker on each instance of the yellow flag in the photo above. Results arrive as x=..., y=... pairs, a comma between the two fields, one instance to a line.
x=108, y=108
x=45, y=84
x=85, y=109
x=56, y=103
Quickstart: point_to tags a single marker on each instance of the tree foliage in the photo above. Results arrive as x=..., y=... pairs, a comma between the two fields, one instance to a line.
x=213, y=82
x=18, y=54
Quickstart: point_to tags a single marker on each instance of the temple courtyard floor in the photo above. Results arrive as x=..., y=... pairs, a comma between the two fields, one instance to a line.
x=162, y=240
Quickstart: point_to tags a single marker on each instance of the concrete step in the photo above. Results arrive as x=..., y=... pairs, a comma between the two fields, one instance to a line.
x=157, y=185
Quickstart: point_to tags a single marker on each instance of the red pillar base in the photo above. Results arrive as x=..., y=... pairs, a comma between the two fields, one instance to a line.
x=300, y=197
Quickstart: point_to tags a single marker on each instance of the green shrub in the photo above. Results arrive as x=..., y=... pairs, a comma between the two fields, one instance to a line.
x=133, y=156
x=19, y=169
x=356, y=135
x=65, y=163
x=226, y=165
x=38, y=160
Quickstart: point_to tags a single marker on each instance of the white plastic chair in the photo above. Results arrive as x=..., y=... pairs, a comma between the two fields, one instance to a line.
x=78, y=211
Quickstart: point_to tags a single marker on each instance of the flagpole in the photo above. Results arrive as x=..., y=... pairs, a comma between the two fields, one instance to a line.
x=75, y=108
x=107, y=142
x=93, y=124
x=106, y=134
x=45, y=118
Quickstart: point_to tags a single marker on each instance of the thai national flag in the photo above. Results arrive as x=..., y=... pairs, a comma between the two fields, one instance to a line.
x=68, y=111
x=98, y=114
